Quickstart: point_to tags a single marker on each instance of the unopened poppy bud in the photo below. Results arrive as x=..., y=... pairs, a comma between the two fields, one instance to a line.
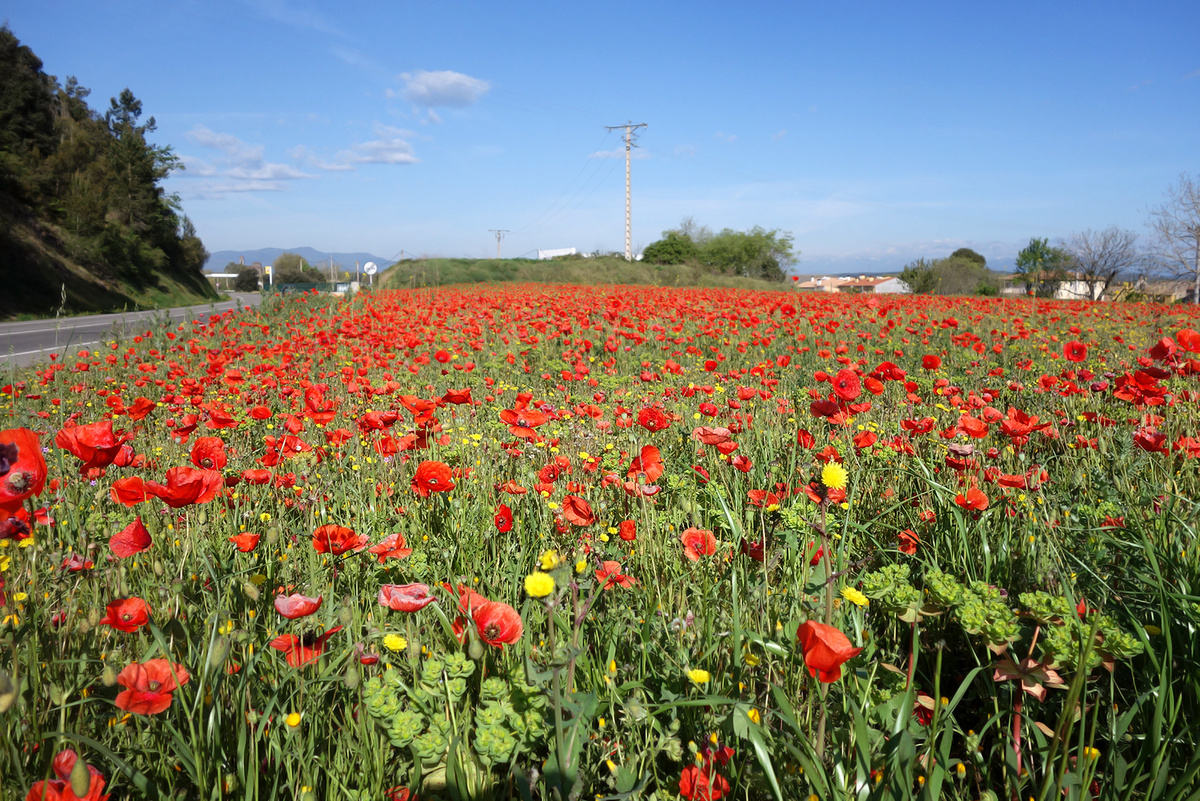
x=93, y=616
x=352, y=677
x=250, y=591
x=81, y=779
x=202, y=518
x=345, y=616
x=218, y=653
x=8, y=691
x=109, y=677
x=159, y=569
x=57, y=696
x=273, y=534
x=474, y=646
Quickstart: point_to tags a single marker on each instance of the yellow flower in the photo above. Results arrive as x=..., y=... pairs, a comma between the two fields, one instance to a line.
x=394, y=642
x=293, y=719
x=581, y=565
x=699, y=676
x=854, y=596
x=539, y=584
x=549, y=559
x=834, y=476
x=755, y=716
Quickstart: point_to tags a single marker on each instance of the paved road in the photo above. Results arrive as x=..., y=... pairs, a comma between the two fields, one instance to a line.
x=31, y=341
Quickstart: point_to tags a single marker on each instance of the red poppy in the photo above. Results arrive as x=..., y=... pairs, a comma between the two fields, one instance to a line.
x=131, y=540
x=627, y=530
x=1189, y=340
x=60, y=789
x=126, y=614
x=825, y=650
x=577, y=511
x=302, y=650
x=245, y=542
x=186, y=486
x=498, y=623
x=931, y=362
x=908, y=541
x=702, y=783
x=432, y=477
x=297, y=606
x=974, y=499
x=468, y=599
x=707, y=435
x=405, y=597
x=129, y=491
x=846, y=385
x=503, y=519
x=149, y=686
x=393, y=546
x=698, y=542
x=653, y=418
x=648, y=463
x=96, y=445
x=22, y=468
x=610, y=576
x=209, y=453
x=1075, y=351
x=335, y=539
x=74, y=563
x=256, y=476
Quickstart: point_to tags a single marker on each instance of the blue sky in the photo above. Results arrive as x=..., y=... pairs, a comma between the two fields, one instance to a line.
x=874, y=132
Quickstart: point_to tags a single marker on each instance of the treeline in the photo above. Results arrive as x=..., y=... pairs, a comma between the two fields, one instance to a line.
x=757, y=253
x=963, y=272
x=89, y=182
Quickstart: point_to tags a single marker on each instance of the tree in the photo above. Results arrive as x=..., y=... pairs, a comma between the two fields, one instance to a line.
x=1176, y=228
x=247, y=280
x=1042, y=268
x=957, y=274
x=290, y=261
x=919, y=277
x=673, y=248
x=756, y=253
x=969, y=255
x=1098, y=257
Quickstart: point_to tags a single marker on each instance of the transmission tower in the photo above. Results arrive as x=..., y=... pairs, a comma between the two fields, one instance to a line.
x=629, y=128
x=499, y=232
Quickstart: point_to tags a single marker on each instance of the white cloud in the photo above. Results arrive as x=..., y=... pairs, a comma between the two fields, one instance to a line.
x=390, y=148
x=782, y=132
x=239, y=167
x=441, y=88
x=724, y=137
x=686, y=151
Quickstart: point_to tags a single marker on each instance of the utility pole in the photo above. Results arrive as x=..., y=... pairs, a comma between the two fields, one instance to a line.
x=499, y=232
x=629, y=129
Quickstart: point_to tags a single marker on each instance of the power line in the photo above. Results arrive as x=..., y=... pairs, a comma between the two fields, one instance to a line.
x=629, y=129
x=499, y=232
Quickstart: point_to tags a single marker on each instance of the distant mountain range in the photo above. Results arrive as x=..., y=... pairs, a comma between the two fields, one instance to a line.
x=218, y=261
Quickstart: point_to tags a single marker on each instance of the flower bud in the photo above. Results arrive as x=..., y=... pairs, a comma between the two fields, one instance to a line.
x=81, y=778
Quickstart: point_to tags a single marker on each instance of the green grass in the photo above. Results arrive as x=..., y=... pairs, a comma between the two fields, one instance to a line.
x=570, y=270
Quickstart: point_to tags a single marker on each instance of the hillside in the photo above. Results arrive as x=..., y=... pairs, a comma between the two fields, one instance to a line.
x=84, y=222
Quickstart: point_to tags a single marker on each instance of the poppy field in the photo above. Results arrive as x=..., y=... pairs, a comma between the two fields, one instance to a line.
x=607, y=542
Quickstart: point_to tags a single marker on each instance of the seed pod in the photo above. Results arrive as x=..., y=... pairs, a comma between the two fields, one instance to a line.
x=218, y=653
x=81, y=778
x=109, y=677
x=250, y=591
x=8, y=692
x=159, y=569
x=93, y=616
x=352, y=677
